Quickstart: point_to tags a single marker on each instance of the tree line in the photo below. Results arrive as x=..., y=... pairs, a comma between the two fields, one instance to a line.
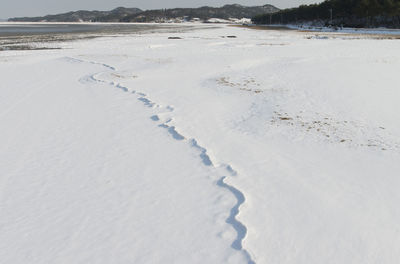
x=355, y=13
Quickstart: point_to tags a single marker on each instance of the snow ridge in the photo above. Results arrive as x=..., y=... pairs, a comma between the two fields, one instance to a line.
x=222, y=169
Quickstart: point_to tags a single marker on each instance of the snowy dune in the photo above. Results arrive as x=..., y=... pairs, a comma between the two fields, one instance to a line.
x=270, y=147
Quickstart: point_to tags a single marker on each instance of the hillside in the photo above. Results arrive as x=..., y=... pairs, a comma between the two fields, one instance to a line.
x=350, y=13
x=82, y=15
x=122, y=14
x=203, y=13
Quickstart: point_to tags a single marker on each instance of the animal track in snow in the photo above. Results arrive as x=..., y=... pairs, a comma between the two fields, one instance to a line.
x=239, y=227
x=146, y=102
x=222, y=170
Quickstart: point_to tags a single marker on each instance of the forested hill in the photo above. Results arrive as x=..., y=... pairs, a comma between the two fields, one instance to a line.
x=203, y=13
x=349, y=13
x=122, y=14
x=83, y=15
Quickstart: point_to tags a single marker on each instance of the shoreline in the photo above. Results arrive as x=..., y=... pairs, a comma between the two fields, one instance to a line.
x=375, y=33
x=37, y=40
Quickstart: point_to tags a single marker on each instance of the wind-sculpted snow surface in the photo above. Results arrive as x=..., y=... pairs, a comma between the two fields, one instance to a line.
x=216, y=145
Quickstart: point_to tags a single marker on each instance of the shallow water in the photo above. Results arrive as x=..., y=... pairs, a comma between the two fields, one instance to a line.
x=21, y=36
x=40, y=29
x=11, y=29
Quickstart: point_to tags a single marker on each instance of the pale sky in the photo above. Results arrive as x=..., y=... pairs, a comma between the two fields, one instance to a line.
x=17, y=8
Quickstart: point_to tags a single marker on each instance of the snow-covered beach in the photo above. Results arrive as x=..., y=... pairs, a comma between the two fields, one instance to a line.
x=217, y=144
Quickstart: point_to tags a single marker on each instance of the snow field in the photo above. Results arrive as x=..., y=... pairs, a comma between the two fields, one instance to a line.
x=271, y=147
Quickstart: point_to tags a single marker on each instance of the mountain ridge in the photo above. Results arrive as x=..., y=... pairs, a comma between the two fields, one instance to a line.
x=82, y=15
x=122, y=14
